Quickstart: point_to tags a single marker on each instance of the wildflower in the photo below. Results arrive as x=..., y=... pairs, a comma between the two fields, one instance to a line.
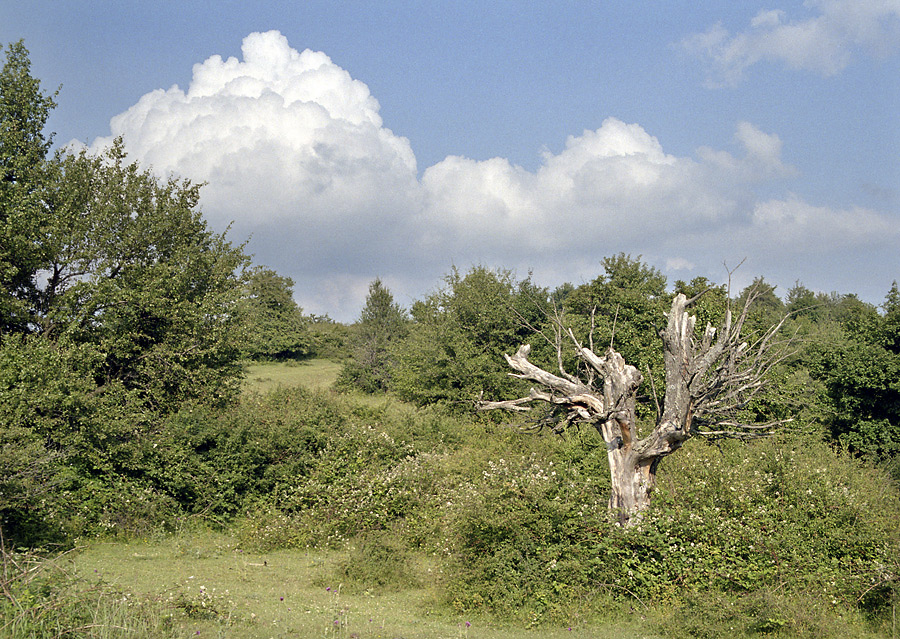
x=468, y=624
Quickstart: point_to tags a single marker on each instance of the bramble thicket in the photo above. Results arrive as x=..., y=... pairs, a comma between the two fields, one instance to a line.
x=126, y=324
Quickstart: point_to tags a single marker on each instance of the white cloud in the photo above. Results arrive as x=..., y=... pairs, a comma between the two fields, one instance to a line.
x=278, y=135
x=607, y=186
x=823, y=43
x=807, y=228
x=679, y=264
x=295, y=152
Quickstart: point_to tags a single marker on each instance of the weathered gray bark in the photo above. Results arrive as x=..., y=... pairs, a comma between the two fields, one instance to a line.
x=707, y=379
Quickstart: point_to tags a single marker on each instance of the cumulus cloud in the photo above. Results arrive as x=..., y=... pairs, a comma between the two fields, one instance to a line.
x=608, y=186
x=823, y=43
x=281, y=136
x=806, y=228
x=295, y=153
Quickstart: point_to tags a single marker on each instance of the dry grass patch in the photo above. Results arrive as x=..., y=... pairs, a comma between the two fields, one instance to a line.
x=314, y=374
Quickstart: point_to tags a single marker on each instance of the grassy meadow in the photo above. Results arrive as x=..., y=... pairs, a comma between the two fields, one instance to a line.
x=214, y=589
x=315, y=374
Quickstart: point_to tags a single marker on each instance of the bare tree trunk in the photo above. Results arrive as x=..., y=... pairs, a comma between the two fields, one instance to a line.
x=707, y=380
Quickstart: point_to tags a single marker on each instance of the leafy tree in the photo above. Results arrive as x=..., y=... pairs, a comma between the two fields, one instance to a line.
x=276, y=328
x=330, y=339
x=802, y=302
x=624, y=306
x=766, y=307
x=459, y=333
x=133, y=271
x=382, y=324
x=853, y=357
x=710, y=300
x=24, y=110
x=891, y=326
x=118, y=306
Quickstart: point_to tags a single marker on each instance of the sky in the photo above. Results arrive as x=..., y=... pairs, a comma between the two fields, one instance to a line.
x=348, y=141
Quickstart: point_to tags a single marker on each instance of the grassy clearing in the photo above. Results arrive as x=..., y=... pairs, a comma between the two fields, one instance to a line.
x=315, y=374
x=218, y=590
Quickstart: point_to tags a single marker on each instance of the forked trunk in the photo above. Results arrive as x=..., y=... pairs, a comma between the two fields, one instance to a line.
x=631, y=482
x=708, y=377
x=632, y=476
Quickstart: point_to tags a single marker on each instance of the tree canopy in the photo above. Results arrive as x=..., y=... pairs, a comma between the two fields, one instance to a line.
x=24, y=173
x=458, y=333
x=382, y=325
x=275, y=325
x=117, y=304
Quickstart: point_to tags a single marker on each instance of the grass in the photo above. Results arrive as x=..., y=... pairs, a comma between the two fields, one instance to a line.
x=220, y=591
x=316, y=374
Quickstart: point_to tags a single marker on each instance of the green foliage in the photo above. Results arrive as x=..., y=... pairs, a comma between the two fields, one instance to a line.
x=136, y=315
x=626, y=303
x=764, y=613
x=527, y=534
x=276, y=328
x=378, y=560
x=852, y=358
x=330, y=339
x=362, y=479
x=711, y=301
x=454, y=351
x=890, y=329
x=136, y=273
x=24, y=178
x=783, y=517
x=382, y=324
x=623, y=308
x=766, y=308
x=117, y=307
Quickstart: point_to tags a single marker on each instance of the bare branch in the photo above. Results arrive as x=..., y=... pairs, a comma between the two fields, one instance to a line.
x=708, y=379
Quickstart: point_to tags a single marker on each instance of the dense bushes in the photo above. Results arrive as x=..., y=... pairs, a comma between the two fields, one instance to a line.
x=784, y=517
x=519, y=524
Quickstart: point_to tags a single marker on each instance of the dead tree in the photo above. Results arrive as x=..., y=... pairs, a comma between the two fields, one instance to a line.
x=708, y=379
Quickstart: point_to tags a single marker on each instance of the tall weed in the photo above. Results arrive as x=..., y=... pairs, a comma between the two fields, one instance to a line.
x=40, y=597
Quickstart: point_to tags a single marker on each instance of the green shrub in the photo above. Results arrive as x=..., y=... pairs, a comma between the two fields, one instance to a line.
x=377, y=560
x=764, y=613
x=783, y=516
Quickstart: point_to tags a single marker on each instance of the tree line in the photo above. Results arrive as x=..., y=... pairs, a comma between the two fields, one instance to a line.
x=840, y=374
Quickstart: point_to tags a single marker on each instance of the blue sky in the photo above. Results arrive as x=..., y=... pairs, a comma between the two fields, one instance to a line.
x=358, y=140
